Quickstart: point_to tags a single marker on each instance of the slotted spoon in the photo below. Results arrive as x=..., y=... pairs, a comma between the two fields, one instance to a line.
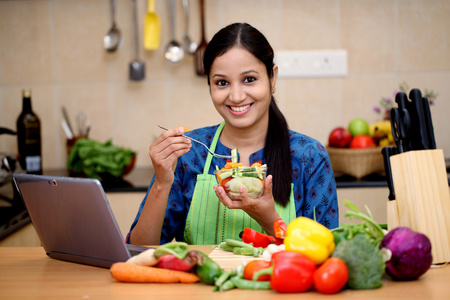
x=214, y=154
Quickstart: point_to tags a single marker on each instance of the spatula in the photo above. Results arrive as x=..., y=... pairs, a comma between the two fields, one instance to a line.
x=152, y=27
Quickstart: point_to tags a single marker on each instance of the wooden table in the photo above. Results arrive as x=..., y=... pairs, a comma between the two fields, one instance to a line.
x=27, y=273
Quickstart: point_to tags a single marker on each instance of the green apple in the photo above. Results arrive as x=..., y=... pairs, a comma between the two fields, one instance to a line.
x=358, y=126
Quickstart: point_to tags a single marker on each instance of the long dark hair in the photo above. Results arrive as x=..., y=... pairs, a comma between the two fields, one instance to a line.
x=277, y=148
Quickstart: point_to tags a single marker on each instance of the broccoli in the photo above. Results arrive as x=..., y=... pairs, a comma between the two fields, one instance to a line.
x=364, y=262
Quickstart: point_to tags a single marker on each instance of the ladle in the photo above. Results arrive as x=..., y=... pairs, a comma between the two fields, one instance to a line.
x=174, y=51
x=189, y=45
x=113, y=39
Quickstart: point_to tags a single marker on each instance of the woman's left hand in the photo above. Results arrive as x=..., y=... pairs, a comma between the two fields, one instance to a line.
x=261, y=209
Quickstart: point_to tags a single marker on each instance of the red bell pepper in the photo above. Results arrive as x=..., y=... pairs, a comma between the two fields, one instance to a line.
x=280, y=227
x=258, y=239
x=291, y=272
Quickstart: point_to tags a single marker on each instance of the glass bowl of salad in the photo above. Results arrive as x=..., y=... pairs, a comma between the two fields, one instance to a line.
x=234, y=175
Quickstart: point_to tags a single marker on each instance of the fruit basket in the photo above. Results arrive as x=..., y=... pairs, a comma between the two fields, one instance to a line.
x=356, y=162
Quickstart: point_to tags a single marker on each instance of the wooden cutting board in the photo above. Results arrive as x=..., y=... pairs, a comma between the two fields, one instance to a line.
x=228, y=260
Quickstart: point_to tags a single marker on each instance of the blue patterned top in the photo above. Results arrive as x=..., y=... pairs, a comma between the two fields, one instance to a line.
x=313, y=179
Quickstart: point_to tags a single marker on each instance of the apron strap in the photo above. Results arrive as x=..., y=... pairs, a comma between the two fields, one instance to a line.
x=213, y=148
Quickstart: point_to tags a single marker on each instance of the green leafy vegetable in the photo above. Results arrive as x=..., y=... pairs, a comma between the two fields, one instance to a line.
x=368, y=226
x=96, y=159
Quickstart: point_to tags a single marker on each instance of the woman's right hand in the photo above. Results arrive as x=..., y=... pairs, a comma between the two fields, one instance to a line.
x=165, y=151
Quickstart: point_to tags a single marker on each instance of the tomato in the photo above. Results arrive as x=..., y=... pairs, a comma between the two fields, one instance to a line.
x=331, y=276
x=254, y=266
x=362, y=142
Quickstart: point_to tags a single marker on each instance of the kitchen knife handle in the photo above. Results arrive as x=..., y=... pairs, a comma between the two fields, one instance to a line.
x=429, y=123
x=387, y=153
x=418, y=122
x=402, y=100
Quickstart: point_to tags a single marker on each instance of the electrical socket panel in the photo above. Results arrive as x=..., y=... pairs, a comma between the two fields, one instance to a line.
x=311, y=64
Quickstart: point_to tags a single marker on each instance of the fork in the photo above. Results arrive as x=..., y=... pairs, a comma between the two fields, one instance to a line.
x=214, y=154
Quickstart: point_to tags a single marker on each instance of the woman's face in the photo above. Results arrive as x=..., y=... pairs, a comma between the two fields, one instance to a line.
x=240, y=87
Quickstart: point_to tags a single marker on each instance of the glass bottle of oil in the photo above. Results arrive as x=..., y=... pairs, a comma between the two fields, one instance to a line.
x=29, y=137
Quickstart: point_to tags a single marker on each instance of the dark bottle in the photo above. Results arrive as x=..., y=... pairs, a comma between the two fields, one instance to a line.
x=29, y=137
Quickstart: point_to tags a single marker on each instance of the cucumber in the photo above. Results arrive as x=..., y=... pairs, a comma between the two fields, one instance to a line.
x=235, y=155
x=246, y=169
x=251, y=174
x=225, y=175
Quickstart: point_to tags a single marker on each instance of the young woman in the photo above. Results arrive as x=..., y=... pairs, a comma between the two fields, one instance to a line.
x=184, y=201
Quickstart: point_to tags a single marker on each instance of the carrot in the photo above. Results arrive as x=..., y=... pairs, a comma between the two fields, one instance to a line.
x=126, y=272
x=232, y=165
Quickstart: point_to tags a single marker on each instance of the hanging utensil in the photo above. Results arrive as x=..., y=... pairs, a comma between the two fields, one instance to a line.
x=198, y=55
x=113, y=39
x=174, y=51
x=137, y=67
x=152, y=27
x=189, y=45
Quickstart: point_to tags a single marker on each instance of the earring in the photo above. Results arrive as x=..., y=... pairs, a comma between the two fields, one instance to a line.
x=273, y=90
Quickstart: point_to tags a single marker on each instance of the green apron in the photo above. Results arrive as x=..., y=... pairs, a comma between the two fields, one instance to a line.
x=209, y=222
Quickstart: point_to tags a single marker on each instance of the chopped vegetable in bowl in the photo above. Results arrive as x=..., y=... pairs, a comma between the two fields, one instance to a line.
x=234, y=175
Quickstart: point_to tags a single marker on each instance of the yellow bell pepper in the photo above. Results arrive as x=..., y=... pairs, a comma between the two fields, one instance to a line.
x=310, y=238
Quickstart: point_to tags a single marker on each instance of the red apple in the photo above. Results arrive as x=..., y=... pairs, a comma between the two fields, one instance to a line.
x=362, y=142
x=340, y=137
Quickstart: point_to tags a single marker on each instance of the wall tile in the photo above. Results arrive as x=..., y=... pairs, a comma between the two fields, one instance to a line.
x=136, y=128
x=94, y=100
x=312, y=113
x=310, y=24
x=424, y=35
x=79, y=27
x=25, y=42
x=368, y=34
x=60, y=45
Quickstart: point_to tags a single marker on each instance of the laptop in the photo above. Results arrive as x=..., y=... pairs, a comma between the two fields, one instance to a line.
x=73, y=219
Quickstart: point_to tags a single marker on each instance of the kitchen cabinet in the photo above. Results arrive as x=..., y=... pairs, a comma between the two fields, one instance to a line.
x=375, y=198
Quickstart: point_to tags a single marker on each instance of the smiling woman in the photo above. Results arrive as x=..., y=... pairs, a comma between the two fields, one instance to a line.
x=184, y=200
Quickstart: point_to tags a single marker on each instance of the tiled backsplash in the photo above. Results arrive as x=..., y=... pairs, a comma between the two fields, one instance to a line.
x=55, y=48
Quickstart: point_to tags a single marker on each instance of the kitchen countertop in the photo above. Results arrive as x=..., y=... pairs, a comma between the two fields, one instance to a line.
x=13, y=214
x=26, y=272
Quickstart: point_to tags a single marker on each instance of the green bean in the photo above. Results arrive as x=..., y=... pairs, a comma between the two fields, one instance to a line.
x=236, y=243
x=227, y=285
x=244, y=250
x=224, y=246
x=222, y=278
x=250, y=284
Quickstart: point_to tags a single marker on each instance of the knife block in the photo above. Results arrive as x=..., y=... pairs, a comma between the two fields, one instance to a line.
x=422, y=198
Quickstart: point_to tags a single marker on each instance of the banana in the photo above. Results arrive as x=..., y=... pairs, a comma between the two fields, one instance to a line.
x=382, y=133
